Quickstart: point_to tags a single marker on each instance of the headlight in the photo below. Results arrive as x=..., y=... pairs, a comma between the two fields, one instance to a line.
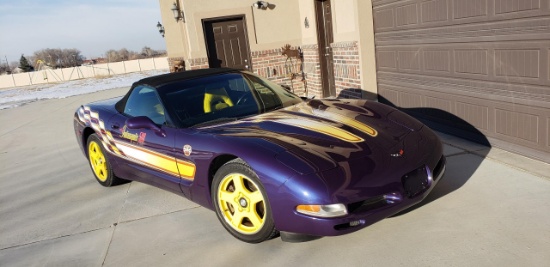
x=325, y=211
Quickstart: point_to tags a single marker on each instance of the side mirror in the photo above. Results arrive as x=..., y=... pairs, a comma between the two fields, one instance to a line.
x=142, y=122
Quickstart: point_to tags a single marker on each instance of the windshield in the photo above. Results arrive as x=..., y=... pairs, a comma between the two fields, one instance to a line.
x=220, y=98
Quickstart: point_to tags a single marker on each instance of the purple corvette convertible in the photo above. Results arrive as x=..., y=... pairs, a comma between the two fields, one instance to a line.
x=265, y=160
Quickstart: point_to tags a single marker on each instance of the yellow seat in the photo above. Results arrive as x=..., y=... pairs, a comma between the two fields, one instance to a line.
x=216, y=99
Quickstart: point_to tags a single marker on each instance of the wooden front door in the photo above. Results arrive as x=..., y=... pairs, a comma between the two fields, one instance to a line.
x=226, y=43
x=324, y=39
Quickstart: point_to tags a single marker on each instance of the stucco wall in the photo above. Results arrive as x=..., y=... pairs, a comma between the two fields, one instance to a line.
x=273, y=27
x=344, y=17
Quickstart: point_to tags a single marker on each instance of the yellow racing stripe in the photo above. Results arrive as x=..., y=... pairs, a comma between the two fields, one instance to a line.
x=323, y=128
x=159, y=161
x=348, y=121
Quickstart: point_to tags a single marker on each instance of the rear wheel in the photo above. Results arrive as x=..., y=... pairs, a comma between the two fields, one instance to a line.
x=100, y=165
x=241, y=203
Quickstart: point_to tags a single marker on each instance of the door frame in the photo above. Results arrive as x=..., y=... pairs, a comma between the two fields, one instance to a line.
x=325, y=51
x=241, y=17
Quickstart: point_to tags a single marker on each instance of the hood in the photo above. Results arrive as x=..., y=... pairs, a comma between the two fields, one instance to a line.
x=322, y=133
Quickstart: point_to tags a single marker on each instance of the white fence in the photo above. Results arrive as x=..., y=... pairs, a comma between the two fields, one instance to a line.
x=87, y=71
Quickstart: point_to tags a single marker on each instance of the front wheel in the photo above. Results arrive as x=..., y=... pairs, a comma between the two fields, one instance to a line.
x=241, y=203
x=100, y=165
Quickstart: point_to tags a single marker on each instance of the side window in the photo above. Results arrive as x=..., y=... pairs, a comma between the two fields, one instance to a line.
x=144, y=102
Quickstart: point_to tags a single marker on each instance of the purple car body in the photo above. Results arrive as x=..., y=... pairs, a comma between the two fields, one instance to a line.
x=372, y=158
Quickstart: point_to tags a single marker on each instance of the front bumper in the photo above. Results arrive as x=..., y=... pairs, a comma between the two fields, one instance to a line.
x=364, y=213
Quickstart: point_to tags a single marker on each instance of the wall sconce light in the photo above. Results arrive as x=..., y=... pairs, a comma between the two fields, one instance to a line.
x=260, y=4
x=306, y=23
x=161, y=29
x=177, y=13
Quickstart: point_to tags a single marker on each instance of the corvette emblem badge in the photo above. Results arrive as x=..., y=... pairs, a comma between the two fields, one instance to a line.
x=399, y=154
x=187, y=149
x=141, y=138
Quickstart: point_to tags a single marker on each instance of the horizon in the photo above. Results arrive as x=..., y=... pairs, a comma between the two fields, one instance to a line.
x=30, y=26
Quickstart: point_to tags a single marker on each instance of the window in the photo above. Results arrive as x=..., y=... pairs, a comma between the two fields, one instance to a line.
x=144, y=102
x=222, y=97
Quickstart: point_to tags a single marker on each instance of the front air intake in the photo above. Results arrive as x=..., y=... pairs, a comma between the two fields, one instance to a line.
x=416, y=182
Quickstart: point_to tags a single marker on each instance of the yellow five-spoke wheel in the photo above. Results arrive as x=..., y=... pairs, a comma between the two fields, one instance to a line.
x=241, y=203
x=99, y=163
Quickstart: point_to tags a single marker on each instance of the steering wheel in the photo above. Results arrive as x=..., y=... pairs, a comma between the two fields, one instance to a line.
x=243, y=99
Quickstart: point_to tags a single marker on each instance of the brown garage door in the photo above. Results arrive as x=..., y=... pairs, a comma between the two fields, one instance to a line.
x=484, y=61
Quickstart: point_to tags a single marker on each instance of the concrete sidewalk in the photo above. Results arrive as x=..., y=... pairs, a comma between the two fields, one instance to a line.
x=491, y=209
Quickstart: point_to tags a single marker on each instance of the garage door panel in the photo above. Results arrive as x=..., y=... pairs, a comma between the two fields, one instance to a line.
x=538, y=96
x=434, y=11
x=400, y=15
x=477, y=114
x=533, y=28
x=386, y=60
x=437, y=60
x=440, y=107
x=525, y=7
x=517, y=125
x=507, y=62
x=467, y=9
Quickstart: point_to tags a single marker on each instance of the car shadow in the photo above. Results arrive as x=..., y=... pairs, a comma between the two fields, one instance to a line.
x=465, y=147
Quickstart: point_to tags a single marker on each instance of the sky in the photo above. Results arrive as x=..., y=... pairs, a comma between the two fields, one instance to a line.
x=92, y=26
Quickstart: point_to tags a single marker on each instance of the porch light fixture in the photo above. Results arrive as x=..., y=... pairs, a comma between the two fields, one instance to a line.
x=161, y=29
x=178, y=14
x=260, y=4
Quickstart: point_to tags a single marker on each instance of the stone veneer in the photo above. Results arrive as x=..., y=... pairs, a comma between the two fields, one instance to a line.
x=277, y=68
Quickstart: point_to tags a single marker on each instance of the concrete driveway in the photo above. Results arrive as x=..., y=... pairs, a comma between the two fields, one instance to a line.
x=491, y=209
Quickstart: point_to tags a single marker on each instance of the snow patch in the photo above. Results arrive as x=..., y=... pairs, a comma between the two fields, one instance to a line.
x=10, y=98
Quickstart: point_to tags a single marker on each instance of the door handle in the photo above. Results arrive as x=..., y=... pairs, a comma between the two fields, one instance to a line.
x=115, y=126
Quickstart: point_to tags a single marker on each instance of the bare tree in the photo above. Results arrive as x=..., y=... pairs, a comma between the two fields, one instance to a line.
x=59, y=58
x=147, y=51
x=125, y=54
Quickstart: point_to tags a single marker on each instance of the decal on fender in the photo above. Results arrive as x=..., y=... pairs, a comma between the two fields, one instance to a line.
x=187, y=150
x=128, y=135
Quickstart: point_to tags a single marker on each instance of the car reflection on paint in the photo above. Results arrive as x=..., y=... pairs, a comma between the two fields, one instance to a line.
x=265, y=160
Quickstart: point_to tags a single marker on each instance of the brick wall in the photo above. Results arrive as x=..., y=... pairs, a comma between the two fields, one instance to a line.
x=347, y=69
x=312, y=69
x=198, y=63
x=277, y=68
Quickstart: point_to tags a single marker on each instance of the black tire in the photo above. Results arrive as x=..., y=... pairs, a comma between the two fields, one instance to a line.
x=247, y=201
x=99, y=163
